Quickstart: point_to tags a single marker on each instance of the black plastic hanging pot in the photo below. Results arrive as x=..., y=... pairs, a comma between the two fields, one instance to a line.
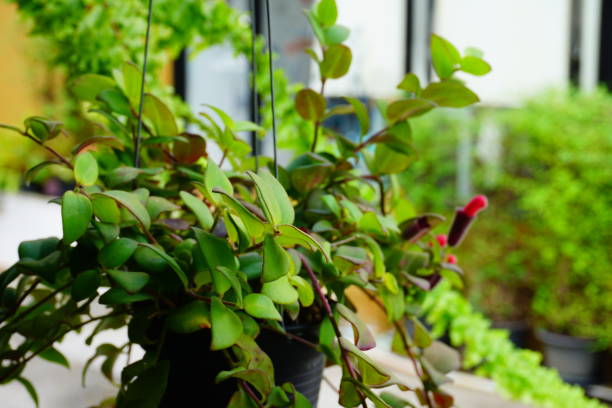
x=573, y=357
x=193, y=367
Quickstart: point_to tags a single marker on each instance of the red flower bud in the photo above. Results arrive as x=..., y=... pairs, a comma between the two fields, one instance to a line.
x=451, y=259
x=475, y=205
x=441, y=240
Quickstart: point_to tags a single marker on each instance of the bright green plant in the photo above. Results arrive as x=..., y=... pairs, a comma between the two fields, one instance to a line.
x=180, y=244
x=490, y=353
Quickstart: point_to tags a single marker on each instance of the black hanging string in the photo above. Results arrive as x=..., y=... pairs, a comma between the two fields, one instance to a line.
x=255, y=101
x=271, y=67
x=142, y=88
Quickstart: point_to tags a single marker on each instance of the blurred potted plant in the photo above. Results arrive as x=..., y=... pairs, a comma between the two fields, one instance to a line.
x=209, y=268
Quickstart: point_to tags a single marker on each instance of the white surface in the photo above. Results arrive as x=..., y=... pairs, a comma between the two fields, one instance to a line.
x=525, y=41
x=25, y=217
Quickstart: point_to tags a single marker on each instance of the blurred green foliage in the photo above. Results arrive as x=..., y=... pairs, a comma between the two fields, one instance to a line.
x=546, y=236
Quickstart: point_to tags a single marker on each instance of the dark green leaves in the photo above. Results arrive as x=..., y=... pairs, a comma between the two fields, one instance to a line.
x=117, y=296
x=273, y=198
x=43, y=129
x=117, y=252
x=132, y=282
x=226, y=325
x=444, y=56
x=161, y=117
x=76, y=214
x=198, y=207
x=87, y=87
x=261, y=306
x=276, y=262
x=170, y=261
x=408, y=108
x=336, y=61
x=310, y=105
x=131, y=202
x=85, y=285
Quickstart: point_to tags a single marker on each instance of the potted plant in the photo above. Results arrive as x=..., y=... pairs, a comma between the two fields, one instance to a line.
x=215, y=272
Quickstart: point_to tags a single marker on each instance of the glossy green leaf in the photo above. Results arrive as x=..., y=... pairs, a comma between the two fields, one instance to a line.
x=273, y=198
x=410, y=83
x=116, y=101
x=450, y=94
x=290, y=236
x=255, y=377
x=421, y=336
x=132, y=282
x=310, y=105
x=117, y=252
x=389, y=161
x=85, y=285
x=395, y=401
x=88, y=86
x=371, y=372
x=280, y=291
x=475, y=66
x=76, y=215
x=168, y=260
x=158, y=205
x=158, y=113
x=226, y=325
x=214, y=177
x=444, y=56
x=106, y=209
x=53, y=355
x=361, y=111
x=408, y=108
x=399, y=138
x=336, y=61
x=254, y=226
x=131, y=82
x=275, y=260
x=327, y=13
x=117, y=296
x=190, y=318
x=43, y=129
x=231, y=276
x=201, y=210
x=30, y=390
x=131, y=202
x=86, y=169
x=261, y=307
x=37, y=249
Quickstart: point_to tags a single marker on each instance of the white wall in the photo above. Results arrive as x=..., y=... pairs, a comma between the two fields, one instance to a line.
x=526, y=42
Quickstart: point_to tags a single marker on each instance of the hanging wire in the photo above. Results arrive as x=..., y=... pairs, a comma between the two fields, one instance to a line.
x=255, y=100
x=271, y=67
x=142, y=88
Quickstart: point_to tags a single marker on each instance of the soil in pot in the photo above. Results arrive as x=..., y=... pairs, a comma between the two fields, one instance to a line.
x=574, y=358
x=519, y=332
x=194, y=367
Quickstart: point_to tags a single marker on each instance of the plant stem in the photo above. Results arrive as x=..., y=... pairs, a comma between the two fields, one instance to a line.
x=293, y=337
x=330, y=314
x=318, y=122
x=247, y=388
x=20, y=316
x=371, y=139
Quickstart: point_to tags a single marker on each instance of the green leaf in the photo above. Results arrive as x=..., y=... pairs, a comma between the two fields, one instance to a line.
x=261, y=307
x=310, y=105
x=33, y=171
x=450, y=94
x=442, y=357
x=336, y=61
x=53, y=355
x=190, y=318
x=389, y=161
x=158, y=205
x=162, y=118
x=85, y=285
x=327, y=13
x=408, y=108
x=189, y=150
x=276, y=262
x=201, y=210
x=364, y=339
x=116, y=101
x=111, y=141
x=132, y=81
x=131, y=202
x=475, y=66
x=290, y=236
x=230, y=275
x=253, y=224
x=361, y=111
x=421, y=336
x=170, y=261
x=273, y=198
x=226, y=326
x=30, y=389
x=316, y=27
x=37, y=249
x=280, y=291
x=444, y=56
x=106, y=209
x=394, y=401
x=87, y=87
x=255, y=377
x=76, y=215
x=125, y=174
x=336, y=34
x=399, y=138
x=117, y=252
x=43, y=129
x=410, y=83
x=371, y=373
x=214, y=177
x=132, y=282
x=305, y=291
x=117, y=296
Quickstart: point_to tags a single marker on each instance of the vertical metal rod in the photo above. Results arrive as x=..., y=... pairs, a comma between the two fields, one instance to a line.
x=255, y=101
x=271, y=67
x=142, y=88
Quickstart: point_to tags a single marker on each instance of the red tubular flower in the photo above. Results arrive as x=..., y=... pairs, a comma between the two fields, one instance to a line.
x=441, y=240
x=463, y=219
x=451, y=259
